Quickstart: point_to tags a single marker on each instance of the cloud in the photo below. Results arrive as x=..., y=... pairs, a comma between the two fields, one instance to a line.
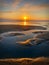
x=28, y=7
x=7, y=5
x=11, y=4
x=34, y=8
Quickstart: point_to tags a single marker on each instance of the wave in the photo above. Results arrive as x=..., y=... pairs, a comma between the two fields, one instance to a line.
x=12, y=33
x=25, y=61
x=6, y=28
x=39, y=37
x=35, y=46
x=43, y=37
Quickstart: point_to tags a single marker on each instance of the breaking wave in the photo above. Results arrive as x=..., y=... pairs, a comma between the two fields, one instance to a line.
x=25, y=61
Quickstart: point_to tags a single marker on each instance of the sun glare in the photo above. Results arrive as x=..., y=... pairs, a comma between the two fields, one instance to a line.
x=25, y=17
x=25, y=20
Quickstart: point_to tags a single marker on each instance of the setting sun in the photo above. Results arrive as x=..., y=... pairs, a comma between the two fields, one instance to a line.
x=25, y=20
x=25, y=17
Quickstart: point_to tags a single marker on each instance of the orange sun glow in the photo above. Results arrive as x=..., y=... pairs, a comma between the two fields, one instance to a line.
x=25, y=20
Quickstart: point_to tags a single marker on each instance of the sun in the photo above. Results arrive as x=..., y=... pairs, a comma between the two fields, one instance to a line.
x=25, y=20
x=25, y=17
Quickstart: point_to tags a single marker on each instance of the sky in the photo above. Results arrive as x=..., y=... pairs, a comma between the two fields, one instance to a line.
x=17, y=9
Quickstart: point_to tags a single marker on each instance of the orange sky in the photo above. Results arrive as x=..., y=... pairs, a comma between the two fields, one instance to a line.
x=18, y=15
x=17, y=9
